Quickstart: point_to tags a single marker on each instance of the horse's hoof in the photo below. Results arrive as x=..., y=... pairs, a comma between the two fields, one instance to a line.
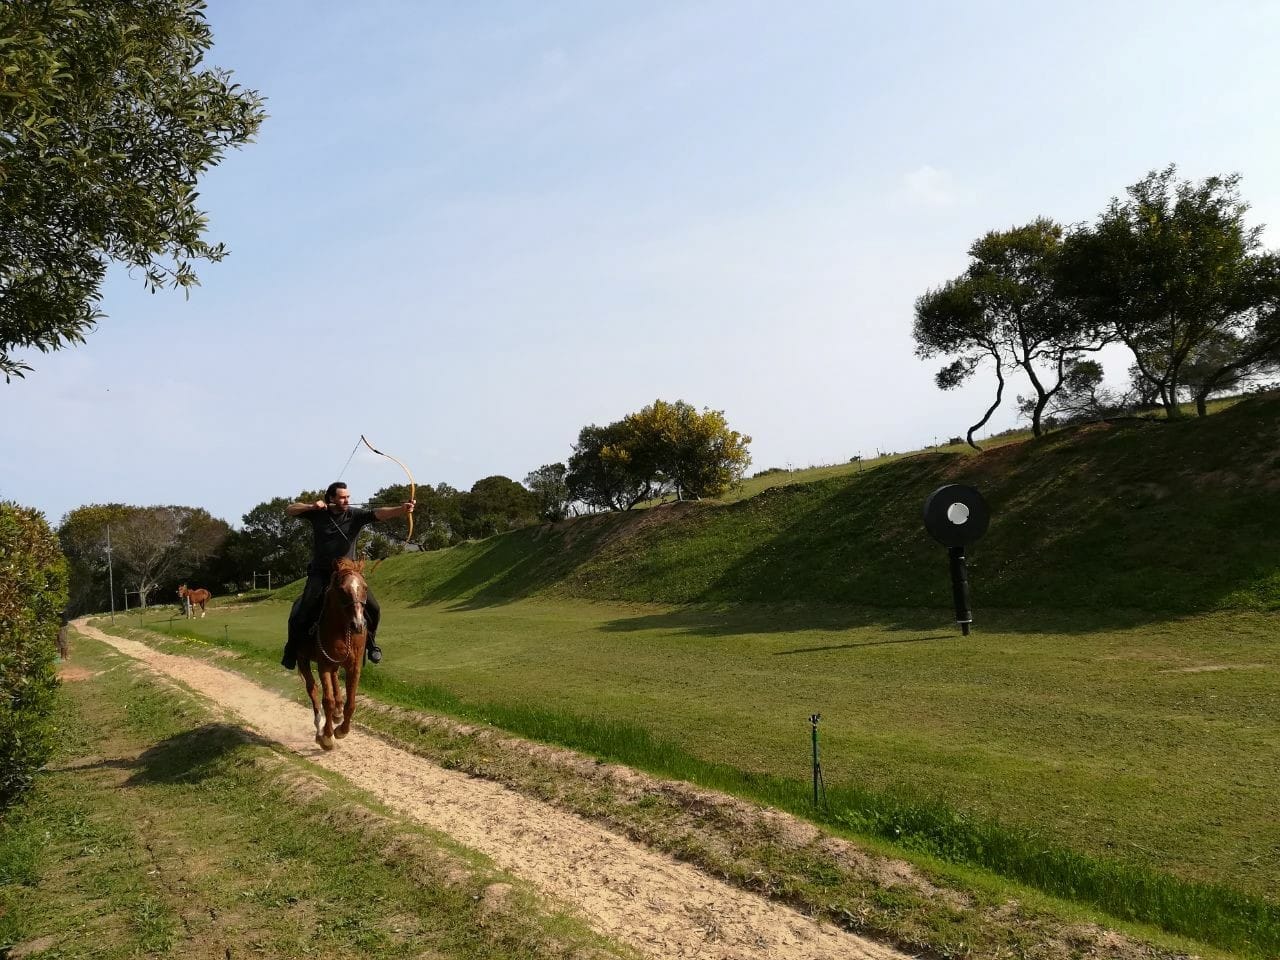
x=341, y=731
x=327, y=743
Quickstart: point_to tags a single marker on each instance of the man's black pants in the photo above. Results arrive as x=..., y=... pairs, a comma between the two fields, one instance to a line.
x=307, y=608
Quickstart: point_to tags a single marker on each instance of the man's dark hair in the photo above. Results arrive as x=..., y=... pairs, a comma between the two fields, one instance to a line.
x=332, y=489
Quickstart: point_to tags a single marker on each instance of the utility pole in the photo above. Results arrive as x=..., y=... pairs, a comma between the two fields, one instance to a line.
x=111, y=577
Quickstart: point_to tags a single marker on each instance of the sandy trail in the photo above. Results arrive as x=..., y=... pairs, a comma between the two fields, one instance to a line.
x=656, y=904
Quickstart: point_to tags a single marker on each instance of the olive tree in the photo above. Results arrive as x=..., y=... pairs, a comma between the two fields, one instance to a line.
x=1182, y=280
x=107, y=121
x=1006, y=308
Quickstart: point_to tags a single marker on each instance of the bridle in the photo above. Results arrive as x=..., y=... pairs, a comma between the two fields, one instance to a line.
x=339, y=584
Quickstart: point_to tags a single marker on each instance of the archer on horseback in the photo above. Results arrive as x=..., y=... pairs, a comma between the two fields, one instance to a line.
x=336, y=528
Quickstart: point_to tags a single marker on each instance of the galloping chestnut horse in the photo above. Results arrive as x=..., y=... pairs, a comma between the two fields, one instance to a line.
x=338, y=642
x=195, y=598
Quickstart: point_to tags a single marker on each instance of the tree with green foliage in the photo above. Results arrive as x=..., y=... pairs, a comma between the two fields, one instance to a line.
x=549, y=485
x=154, y=544
x=1006, y=308
x=437, y=514
x=605, y=473
x=496, y=504
x=440, y=511
x=1080, y=398
x=107, y=121
x=84, y=535
x=33, y=596
x=1227, y=359
x=269, y=540
x=691, y=452
x=1178, y=276
x=662, y=448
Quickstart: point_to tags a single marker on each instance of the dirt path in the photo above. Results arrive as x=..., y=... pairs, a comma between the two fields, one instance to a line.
x=660, y=906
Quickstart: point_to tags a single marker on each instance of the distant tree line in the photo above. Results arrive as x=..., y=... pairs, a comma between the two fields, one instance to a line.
x=1172, y=272
x=666, y=449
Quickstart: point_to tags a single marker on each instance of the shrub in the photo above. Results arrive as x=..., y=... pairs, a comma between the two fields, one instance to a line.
x=33, y=594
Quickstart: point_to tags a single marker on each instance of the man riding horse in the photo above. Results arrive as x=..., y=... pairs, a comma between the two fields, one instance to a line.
x=336, y=528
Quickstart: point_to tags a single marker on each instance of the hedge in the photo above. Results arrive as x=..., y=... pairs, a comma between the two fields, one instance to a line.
x=33, y=595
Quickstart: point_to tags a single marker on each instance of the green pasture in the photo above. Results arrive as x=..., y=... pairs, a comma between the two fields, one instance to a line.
x=1124, y=742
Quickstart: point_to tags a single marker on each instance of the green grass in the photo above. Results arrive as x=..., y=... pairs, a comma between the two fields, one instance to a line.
x=1115, y=764
x=159, y=831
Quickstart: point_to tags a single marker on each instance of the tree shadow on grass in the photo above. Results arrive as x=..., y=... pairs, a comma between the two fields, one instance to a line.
x=725, y=620
x=193, y=755
x=855, y=646
x=100, y=763
x=514, y=565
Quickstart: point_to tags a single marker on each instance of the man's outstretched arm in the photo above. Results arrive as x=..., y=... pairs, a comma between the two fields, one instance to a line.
x=390, y=513
x=298, y=509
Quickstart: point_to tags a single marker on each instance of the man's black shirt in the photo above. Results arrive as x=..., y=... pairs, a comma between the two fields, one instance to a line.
x=334, y=536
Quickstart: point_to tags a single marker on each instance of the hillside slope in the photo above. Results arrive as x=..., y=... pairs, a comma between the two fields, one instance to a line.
x=1175, y=517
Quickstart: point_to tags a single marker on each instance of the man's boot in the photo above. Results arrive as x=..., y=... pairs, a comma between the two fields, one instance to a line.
x=373, y=651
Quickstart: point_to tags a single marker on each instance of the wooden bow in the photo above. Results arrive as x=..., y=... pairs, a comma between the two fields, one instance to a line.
x=413, y=487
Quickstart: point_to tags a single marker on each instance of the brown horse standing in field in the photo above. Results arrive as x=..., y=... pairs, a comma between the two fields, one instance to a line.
x=195, y=598
x=338, y=643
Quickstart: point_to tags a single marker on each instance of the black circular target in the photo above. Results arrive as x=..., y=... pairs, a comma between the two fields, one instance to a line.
x=956, y=515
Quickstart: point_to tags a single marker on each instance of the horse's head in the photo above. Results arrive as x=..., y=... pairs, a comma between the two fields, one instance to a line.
x=182, y=591
x=349, y=587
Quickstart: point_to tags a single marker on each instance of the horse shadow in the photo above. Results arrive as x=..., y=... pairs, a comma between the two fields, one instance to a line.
x=193, y=755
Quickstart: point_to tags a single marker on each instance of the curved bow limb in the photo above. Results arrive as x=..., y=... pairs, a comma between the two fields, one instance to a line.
x=413, y=487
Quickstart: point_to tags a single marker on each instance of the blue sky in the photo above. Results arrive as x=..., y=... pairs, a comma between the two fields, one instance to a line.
x=468, y=230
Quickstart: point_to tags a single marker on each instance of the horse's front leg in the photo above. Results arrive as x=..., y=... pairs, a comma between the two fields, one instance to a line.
x=304, y=668
x=352, y=675
x=329, y=680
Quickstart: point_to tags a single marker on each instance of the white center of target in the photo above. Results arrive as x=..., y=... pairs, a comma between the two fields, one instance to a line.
x=957, y=513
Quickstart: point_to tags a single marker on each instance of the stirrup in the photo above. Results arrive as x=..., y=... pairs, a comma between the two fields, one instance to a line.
x=373, y=652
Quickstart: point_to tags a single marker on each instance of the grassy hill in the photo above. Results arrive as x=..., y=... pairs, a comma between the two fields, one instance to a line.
x=1167, y=517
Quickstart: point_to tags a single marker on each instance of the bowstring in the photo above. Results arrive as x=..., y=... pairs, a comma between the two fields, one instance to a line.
x=350, y=458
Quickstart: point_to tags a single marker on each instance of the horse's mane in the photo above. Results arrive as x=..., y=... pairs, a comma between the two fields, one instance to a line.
x=346, y=565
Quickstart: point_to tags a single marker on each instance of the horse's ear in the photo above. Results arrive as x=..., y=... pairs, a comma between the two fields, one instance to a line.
x=337, y=564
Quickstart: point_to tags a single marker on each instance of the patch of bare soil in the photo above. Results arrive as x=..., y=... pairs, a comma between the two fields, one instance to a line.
x=1215, y=667
x=72, y=674
x=660, y=906
x=30, y=948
